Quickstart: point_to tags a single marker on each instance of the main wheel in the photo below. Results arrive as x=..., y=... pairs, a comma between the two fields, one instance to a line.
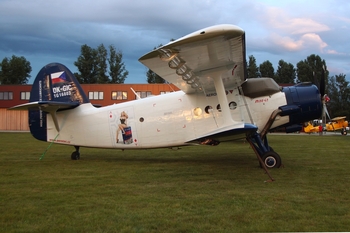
x=344, y=132
x=271, y=159
x=75, y=155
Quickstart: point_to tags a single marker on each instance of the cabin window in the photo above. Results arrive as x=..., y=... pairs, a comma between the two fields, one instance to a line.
x=119, y=95
x=6, y=95
x=96, y=95
x=25, y=95
x=208, y=109
x=197, y=111
x=232, y=105
x=164, y=92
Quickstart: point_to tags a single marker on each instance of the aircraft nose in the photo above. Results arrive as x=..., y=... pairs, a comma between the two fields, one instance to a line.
x=305, y=98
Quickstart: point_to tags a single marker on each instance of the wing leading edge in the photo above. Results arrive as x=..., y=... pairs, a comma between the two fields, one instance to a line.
x=192, y=62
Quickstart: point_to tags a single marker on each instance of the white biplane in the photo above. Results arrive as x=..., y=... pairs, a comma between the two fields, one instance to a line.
x=216, y=102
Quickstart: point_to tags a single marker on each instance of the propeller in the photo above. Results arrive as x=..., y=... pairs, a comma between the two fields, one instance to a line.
x=322, y=86
x=324, y=97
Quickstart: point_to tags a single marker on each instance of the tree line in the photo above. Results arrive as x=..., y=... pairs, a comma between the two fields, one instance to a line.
x=307, y=70
x=99, y=65
x=93, y=64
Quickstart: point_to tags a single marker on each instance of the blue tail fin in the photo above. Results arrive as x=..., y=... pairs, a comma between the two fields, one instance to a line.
x=54, y=83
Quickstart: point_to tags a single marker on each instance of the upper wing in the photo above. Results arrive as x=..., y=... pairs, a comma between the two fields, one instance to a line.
x=192, y=62
x=339, y=118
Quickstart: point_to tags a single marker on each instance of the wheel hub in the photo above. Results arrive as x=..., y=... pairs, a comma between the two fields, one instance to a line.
x=270, y=162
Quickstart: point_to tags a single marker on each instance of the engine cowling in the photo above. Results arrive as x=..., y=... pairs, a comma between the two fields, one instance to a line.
x=303, y=104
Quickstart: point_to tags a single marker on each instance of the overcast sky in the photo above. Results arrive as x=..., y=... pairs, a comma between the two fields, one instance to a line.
x=45, y=31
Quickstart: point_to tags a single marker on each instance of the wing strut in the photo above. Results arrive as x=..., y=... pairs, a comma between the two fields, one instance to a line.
x=221, y=93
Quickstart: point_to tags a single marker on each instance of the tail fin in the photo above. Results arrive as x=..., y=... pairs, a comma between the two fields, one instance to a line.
x=55, y=88
x=55, y=82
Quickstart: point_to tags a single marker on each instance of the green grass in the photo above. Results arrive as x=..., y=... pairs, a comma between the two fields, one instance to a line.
x=194, y=189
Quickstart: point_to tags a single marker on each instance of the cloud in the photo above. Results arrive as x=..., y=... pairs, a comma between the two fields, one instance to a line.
x=55, y=30
x=279, y=19
x=313, y=41
x=291, y=30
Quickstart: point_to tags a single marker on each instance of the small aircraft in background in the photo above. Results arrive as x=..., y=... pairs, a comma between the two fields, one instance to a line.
x=216, y=102
x=336, y=124
x=314, y=126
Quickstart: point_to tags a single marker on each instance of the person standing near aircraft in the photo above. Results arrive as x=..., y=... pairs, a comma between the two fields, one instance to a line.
x=123, y=123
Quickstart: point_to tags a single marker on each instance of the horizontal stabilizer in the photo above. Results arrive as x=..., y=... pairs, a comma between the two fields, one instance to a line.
x=46, y=106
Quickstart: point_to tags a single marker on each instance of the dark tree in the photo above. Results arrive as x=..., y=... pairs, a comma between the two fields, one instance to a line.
x=101, y=63
x=117, y=70
x=15, y=70
x=92, y=65
x=339, y=93
x=285, y=73
x=266, y=69
x=87, y=65
x=153, y=77
x=310, y=69
x=252, y=68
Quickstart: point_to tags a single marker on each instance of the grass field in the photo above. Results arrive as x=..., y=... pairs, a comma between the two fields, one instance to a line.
x=193, y=189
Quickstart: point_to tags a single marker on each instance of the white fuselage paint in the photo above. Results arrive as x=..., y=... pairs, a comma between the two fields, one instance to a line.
x=159, y=121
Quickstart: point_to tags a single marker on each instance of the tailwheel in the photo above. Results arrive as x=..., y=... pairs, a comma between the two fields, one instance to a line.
x=76, y=154
x=271, y=159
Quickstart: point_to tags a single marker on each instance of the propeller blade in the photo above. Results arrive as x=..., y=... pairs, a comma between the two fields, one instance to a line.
x=326, y=111
x=322, y=84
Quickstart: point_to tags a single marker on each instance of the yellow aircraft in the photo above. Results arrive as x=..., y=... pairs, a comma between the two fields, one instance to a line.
x=337, y=123
x=313, y=127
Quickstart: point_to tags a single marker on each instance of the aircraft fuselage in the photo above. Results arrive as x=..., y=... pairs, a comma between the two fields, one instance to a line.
x=159, y=121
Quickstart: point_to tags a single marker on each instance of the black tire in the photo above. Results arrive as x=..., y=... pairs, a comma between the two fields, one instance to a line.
x=344, y=132
x=75, y=155
x=271, y=160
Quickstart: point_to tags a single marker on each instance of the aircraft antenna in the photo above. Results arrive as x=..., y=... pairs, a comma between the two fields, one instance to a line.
x=170, y=86
x=42, y=156
x=137, y=95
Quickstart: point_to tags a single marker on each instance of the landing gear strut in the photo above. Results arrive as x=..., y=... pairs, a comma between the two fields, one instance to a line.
x=76, y=154
x=267, y=157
